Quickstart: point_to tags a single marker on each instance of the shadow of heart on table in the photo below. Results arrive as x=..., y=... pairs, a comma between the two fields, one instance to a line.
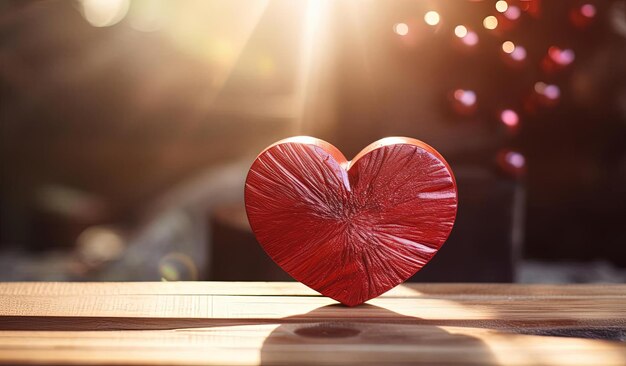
x=336, y=334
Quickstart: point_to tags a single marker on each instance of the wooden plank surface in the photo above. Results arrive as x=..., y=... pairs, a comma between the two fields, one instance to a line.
x=287, y=323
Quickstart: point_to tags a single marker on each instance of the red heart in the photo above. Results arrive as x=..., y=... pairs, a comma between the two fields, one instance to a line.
x=351, y=230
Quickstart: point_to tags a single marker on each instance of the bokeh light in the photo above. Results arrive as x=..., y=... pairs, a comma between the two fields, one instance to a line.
x=432, y=18
x=464, y=101
x=104, y=13
x=515, y=159
x=460, y=31
x=98, y=244
x=540, y=87
x=588, y=10
x=468, y=37
x=490, y=22
x=465, y=97
x=401, y=29
x=471, y=39
x=501, y=6
x=508, y=46
x=583, y=15
x=519, y=53
x=509, y=118
x=552, y=92
x=513, y=13
x=511, y=162
x=560, y=56
x=514, y=54
x=548, y=93
x=220, y=78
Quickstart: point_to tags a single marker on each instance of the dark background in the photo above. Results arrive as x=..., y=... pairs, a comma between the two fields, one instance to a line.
x=127, y=128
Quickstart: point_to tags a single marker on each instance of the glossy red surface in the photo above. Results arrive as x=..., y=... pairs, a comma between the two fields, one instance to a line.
x=351, y=230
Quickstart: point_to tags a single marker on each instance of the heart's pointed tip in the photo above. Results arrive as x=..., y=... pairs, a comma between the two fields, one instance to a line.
x=352, y=302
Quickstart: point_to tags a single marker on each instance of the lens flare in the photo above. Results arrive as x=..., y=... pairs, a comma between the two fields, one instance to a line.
x=177, y=266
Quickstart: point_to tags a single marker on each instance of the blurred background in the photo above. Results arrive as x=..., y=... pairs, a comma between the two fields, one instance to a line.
x=127, y=128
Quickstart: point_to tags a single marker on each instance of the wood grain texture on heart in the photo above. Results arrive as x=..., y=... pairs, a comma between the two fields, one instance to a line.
x=351, y=230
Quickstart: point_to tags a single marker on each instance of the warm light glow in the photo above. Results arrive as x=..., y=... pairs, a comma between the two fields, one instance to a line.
x=501, y=6
x=148, y=16
x=513, y=12
x=430, y=307
x=432, y=18
x=460, y=31
x=99, y=244
x=104, y=13
x=490, y=22
x=508, y=46
x=509, y=117
x=311, y=49
x=401, y=29
x=265, y=66
x=213, y=34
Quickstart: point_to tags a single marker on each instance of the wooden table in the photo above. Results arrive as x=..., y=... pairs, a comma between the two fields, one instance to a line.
x=287, y=323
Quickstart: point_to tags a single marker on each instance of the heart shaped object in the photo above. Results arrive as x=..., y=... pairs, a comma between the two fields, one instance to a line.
x=351, y=230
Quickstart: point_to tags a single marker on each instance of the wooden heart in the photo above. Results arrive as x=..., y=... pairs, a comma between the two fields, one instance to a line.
x=351, y=230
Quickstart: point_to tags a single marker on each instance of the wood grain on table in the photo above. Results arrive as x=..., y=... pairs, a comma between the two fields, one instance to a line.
x=287, y=323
